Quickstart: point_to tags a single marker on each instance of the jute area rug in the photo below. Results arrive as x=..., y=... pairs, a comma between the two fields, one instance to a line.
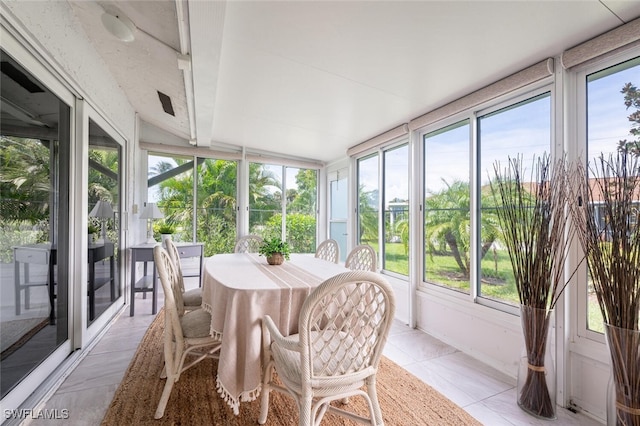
x=404, y=399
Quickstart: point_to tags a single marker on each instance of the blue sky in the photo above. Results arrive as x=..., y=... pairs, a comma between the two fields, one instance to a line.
x=521, y=130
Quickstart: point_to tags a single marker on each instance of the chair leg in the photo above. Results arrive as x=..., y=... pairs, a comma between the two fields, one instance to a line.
x=163, y=373
x=166, y=393
x=376, y=415
x=306, y=416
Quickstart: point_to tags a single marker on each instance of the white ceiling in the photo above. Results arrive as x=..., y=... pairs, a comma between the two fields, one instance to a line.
x=308, y=79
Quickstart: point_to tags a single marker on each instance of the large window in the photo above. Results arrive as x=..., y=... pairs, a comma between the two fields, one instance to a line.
x=392, y=175
x=216, y=205
x=447, y=206
x=368, y=193
x=301, y=206
x=521, y=130
x=395, y=257
x=170, y=185
x=212, y=210
x=609, y=121
x=267, y=206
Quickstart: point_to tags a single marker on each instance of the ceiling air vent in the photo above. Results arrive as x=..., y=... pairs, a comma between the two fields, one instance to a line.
x=166, y=104
x=19, y=77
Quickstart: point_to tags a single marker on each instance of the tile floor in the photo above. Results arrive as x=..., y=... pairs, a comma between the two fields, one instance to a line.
x=485, y=393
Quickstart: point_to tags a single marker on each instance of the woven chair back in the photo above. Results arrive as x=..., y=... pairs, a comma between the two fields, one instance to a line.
x=173, y=304
x=361, y=258
x=343, y=327
x=248, y=244
x=329, y=250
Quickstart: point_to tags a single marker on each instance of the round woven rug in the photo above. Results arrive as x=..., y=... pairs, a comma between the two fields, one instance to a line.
x=404, y=399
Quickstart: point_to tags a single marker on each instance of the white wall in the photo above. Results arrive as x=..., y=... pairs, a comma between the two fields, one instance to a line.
x=53, y=32
x=489, y=335
x=60, y=36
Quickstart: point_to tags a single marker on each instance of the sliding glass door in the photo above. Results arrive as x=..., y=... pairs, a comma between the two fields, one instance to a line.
x=35, y=149
x=104, y=248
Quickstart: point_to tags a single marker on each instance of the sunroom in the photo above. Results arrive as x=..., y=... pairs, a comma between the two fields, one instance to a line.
x=373, y=123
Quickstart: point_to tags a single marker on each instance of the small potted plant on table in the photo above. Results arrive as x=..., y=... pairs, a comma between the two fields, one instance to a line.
x=92, y=230
x=165, y=230
x=275, y=250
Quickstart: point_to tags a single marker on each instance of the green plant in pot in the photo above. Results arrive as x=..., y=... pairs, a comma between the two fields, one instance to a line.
x=92, y=230
x=275, y=250
x=165, y=230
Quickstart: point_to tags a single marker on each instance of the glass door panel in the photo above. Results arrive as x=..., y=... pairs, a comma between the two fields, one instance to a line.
x=105, y=179
x=338, y=213
x=34, y=223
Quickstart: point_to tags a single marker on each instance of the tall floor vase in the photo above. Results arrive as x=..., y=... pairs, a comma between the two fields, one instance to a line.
x=623, y=394
x=536, y=372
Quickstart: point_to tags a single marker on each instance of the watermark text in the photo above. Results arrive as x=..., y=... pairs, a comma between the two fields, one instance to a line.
x=45, y=414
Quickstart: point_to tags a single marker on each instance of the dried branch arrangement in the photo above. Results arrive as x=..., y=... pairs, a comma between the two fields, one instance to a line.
x=612, y=245
x=534, y=220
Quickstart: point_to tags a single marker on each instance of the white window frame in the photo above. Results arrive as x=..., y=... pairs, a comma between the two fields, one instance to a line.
x=578, y=145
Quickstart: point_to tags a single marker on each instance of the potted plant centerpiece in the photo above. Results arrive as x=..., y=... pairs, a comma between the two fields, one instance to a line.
x=275, y=250
x=536, y=232
x=165, y=229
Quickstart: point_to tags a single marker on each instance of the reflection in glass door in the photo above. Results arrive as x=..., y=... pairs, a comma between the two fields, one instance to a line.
x=103, y=287
x=34, y=222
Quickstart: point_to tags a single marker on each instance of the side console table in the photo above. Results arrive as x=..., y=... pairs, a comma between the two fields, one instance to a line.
x=149, y=283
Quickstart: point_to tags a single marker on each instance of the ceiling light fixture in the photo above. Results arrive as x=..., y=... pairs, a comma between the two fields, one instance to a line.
x=119, y=25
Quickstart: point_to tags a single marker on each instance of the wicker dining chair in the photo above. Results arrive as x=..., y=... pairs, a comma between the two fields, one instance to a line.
x=361, y=258
x=328, y=250
x=192, y=299
x=184, y=335
x=343, y=327
x=248, y=244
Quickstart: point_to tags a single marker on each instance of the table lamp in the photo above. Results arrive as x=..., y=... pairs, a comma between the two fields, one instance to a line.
x=103, y=211
x=151, y=212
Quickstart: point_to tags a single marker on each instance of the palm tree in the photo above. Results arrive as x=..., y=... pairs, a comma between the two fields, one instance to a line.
x=216, y=202
x=101, y=186
x=368, y=215
x=448, y=223
x=265, y=196
x=25, y=181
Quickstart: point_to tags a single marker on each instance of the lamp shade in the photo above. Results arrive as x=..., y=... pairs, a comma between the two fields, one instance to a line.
x=102, y=209
x=151, y=211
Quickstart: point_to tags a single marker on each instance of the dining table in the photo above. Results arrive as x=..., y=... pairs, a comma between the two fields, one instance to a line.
x=238, y=290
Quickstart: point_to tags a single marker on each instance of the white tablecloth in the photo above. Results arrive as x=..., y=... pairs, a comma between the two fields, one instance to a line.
x=238, y=290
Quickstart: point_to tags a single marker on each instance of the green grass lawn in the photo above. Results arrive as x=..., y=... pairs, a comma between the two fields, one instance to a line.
x=497, y=277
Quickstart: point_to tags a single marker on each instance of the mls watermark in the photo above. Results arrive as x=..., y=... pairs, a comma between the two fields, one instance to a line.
x=44, y=414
